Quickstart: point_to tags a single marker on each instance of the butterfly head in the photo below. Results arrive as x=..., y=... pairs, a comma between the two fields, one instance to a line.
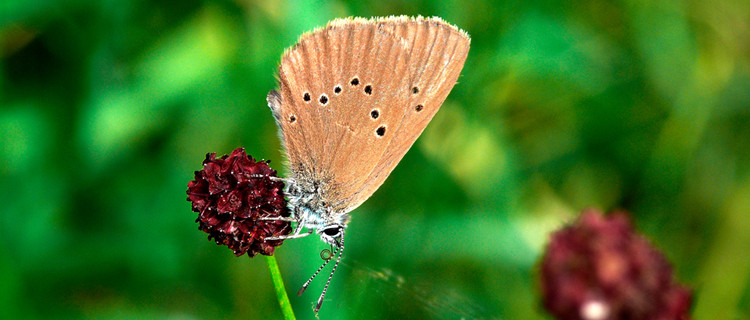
x=332, y=234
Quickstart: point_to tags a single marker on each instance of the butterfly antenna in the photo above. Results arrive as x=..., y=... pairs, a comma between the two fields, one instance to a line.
x=340, y=251
x=304, y=286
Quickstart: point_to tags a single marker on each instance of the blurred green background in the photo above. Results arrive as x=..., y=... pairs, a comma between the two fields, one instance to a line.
x=107, y=108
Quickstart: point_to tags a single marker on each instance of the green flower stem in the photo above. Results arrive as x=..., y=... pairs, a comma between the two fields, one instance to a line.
x=278, y=284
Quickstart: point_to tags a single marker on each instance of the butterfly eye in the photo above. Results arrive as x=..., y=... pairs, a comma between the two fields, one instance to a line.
x=333, y=231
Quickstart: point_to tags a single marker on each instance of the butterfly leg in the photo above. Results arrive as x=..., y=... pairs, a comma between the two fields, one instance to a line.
x=291, y=236
x=284, y=180
x=297, y=232
x=287, y=219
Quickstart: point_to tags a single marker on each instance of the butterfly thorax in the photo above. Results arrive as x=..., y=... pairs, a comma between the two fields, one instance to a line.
x=310, y=210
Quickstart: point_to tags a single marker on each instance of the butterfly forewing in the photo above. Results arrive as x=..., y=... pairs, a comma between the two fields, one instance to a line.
x=355, y=95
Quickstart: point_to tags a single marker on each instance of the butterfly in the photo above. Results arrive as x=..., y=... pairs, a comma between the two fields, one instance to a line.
x=352, y=98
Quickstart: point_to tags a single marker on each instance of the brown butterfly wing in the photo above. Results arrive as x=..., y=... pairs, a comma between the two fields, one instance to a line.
x=347, y=141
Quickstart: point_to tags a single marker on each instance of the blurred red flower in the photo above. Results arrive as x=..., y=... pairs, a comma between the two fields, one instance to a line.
x=599, y=268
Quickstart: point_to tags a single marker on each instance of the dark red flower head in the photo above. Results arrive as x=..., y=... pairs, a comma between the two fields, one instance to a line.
x=599, y=268
x=230, y=194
